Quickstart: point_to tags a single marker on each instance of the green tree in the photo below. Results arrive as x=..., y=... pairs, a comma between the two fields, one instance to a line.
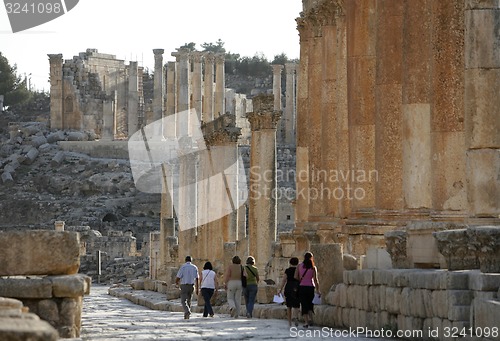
x=216, y=48
x=191, y=46
x=11, y=85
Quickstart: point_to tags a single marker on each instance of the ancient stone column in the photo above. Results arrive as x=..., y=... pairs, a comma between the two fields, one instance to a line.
x=196, y=83
x=56, y=91
x=108, y=117
x=261, y=199
x=219, y=85
x=290, y=109
x=1, y=103
x=482, y=108
x=208, y=90
x=183, y=91
x=169, y=130
x=277, y=69
x=158, y=99
x=133, y=99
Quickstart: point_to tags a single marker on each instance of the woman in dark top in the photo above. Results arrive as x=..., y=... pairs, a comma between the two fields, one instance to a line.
x=291, y=286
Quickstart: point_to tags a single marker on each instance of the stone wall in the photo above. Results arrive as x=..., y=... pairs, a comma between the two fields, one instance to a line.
x=416, y=300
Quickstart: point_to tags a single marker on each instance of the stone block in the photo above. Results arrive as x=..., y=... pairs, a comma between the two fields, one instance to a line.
x=342, y=292
x=483, y=190
x=350, y=262
x=486, y=241
x=22, y=329
x=361, y=277
x=377, y=258
x=10, y=303
x=459, y=313
x=25, y=288
x=453, y=245
x=416, y=303
x=460, y=297
x=486, y=315
x=266, y=293
x=329, y=261
x=482, y=33
x=50, y=253
x=439, y=303
x=457, y=280
x=393, y=300
x=70, y=285
x=406, y=302
x=428, y=279
x=48, y=311
x=137, y=284
x=484, y=281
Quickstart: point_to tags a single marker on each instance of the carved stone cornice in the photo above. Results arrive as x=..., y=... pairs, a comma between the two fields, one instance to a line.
x=277, y=68
x=158, y=52
x=221, y=130
x=54, y=58
x=290, y=68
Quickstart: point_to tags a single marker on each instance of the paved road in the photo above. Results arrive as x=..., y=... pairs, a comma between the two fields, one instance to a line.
x=107, y=318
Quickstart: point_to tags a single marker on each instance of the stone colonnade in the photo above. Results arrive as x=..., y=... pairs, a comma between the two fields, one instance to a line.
x=397, y=118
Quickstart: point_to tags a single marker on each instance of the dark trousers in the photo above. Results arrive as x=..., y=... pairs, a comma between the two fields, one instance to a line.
x=207, y=294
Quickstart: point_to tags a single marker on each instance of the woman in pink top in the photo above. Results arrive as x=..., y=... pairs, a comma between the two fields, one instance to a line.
x=307, y=274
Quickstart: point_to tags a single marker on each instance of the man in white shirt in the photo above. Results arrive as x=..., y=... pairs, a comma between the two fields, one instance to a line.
x=187, y=278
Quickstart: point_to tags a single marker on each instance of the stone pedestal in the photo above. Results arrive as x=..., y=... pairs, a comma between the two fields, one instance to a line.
x=262, y=199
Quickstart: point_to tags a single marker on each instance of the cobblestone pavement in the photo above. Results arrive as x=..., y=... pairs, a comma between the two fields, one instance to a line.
x=107, y=317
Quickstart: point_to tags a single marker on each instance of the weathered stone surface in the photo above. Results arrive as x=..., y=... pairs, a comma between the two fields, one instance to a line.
x=350, y=262
x=266, y=293
x=50, y=253
x=486, y=241
x=7, y=178
x=56, y=136
x=10, y=303
x=25, y=288
x=328, y=259
x=30, y=156
x=70, y=286
x=37, y=141
x=453, y=245
x=23, y=329
x=483, y=166
x=396, y=246
x=486, y=314
x=483, y=281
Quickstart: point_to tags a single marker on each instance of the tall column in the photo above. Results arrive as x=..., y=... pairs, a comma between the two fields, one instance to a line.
x=56, y=91
x=290, y=109
x=219, y=85
x=482, y=108
x=196, y=83
x=262, y=201
x=170, y=108
x=133, y=99
x=208, y=89
x=277, y=69
x=108, y=114
x=159, y=82
x=183, y=93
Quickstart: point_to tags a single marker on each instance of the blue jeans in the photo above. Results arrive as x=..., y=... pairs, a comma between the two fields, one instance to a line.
x=207, y=294
x=250, y=295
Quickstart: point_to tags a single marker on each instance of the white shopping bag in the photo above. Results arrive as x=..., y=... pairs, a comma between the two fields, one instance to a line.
x=317, y=299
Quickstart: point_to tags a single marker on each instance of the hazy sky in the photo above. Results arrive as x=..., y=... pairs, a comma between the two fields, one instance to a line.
x=132, y=29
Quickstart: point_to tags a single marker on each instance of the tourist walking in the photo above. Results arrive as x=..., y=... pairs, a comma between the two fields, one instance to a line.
x=250, y=292
x=232, y=279
x=307, y=275
x=290, y=288
x=209, y=286
x=187, y=278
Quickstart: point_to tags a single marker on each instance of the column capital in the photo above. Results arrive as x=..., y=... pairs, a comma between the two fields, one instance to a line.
x=290, y=67
x=209, y=57
x=264, y=116
x=277, y=68
x=196, y=56
x=220, y=58
x=158, y=51
x=55, y=57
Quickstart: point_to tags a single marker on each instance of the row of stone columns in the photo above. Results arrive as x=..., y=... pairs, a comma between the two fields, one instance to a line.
x=186, y=89
x=288, y=121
